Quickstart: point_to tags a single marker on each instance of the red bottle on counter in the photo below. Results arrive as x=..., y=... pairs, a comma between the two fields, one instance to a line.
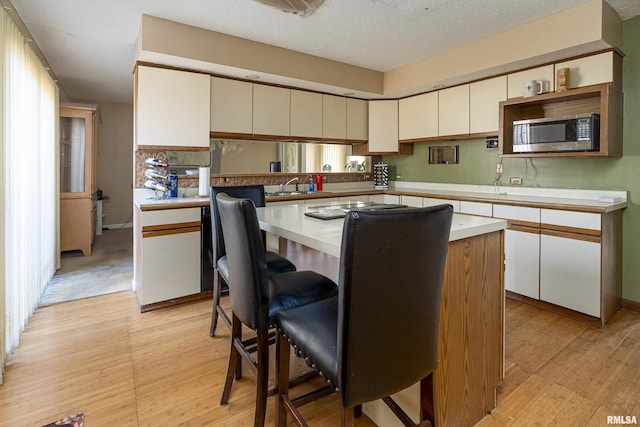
x=319, y=182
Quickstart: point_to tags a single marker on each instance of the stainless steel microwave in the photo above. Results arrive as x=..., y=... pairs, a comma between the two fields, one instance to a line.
x=557, y=134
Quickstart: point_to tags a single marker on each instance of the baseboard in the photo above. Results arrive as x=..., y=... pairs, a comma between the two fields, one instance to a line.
x=176, y=301
x=585, y=318
x=631, y=305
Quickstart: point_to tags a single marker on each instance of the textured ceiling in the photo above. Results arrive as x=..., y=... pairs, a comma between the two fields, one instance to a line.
x=90, y=44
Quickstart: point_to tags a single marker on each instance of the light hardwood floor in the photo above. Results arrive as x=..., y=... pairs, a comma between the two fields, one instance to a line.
x=102, y=357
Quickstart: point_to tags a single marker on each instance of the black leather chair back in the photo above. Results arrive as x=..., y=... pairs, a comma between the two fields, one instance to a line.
x=248, y=276
x=390, y=286
x=255, y=193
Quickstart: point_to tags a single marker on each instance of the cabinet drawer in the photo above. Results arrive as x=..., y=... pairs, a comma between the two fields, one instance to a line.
x=429, y=201
x=170, y=216
x=476, y=208
x=413, y=201
x=569, y=219
x=518, y=213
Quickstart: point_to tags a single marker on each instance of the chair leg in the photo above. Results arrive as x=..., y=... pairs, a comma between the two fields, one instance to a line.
x=346, y=417
x=234, y=360
x=262, y=386
x=216, y=302
x=357, y=411
x=282, y=380
x=426, y=399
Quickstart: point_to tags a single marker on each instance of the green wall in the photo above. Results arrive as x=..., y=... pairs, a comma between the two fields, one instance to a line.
x=478, y=164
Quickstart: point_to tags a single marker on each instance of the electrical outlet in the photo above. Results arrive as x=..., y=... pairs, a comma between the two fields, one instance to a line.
x=398, y=177
x=499, y=168
x=515, y=180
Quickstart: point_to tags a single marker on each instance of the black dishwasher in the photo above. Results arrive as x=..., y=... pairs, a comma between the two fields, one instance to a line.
x=206, y=251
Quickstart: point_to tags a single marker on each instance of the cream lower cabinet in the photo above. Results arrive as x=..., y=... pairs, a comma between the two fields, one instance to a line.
x=413, y=201
x=522, y=263
x=570, y=260
x=570, y=273
x=521, y=249
x=430, y=201
x=420, y=202
x=476, y=208
x=169, y=254
x=384, y=198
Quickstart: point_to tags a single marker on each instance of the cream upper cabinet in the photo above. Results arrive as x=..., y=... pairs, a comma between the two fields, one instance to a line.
x=589, y=70
x=453, y=111
x=231, y=106
x=357, y=119
x=271, y=107
x=306, y=114
x=383, y=126
x=515, y=81
x=418, y=117
x=484, y=107
x=334, y=117
x=172, y=108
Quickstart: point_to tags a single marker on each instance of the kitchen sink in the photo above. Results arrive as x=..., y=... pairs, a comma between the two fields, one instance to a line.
x=293, y=193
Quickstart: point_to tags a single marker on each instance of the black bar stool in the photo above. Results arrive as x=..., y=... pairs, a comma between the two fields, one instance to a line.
x=257, y=296
x=380, y=334
x=275, y=262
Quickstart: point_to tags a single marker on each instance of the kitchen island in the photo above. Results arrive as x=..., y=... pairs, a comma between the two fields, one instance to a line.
x=471, y=342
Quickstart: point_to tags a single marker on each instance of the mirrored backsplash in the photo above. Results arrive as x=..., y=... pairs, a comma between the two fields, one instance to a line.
x=244, y=157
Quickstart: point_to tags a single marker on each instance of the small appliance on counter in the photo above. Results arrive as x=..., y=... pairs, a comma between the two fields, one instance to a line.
x=380, y=176
x=275, y=167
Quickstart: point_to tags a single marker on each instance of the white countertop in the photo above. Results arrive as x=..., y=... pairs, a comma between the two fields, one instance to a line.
x=289, y=221
x=576, y=199
x=600, y=201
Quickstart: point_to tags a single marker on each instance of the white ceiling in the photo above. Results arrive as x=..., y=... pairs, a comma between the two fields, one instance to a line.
x=90, y=44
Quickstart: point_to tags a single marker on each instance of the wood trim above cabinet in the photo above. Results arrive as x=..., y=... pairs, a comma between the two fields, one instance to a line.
x=172, y=148
x=414, y=140
x=230, y=135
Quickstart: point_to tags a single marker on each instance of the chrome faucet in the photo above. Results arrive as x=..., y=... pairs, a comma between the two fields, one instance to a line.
x=282, y=186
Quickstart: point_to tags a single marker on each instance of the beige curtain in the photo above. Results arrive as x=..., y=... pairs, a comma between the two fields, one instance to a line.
x=28, y=192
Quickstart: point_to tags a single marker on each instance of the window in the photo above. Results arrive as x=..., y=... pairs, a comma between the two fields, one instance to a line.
x=28, y=192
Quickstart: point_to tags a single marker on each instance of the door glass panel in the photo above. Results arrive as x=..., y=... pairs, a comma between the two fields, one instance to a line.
x=72, y=146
